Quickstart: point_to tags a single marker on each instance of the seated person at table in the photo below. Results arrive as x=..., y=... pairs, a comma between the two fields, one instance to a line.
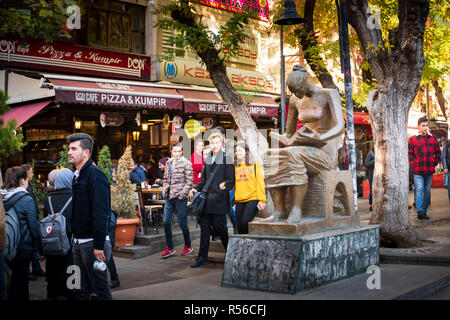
x=159, y=174
x=137, y=175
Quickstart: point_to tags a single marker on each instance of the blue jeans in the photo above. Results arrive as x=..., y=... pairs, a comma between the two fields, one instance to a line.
x=447, y=179
x=370, y=193
x=422, y=192
x=2, y=278
x=181, y=207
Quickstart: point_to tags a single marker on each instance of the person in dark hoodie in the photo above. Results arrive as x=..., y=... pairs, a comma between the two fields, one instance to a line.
x=14, y=194
x=91, y=213
x=56, y=266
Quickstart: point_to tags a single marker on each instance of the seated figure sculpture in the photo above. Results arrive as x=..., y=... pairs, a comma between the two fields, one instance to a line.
x=309, y=150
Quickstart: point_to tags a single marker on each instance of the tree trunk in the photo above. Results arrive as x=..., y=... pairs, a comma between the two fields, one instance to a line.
x=398, y=72
x=441, y=100
x=388, y=114
x=215, y=65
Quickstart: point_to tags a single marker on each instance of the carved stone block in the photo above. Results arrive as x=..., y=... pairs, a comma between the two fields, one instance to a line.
x=328, y=205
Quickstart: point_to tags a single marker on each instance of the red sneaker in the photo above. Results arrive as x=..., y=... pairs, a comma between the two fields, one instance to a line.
x=167, y=253
x=187, y=250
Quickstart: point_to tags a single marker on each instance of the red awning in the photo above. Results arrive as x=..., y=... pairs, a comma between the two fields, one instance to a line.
x=24, y=112
x=359, y=118
x=116, y=94
x=211, y=102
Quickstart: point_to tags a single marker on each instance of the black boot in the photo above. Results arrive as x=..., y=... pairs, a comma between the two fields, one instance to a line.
x=201, y=261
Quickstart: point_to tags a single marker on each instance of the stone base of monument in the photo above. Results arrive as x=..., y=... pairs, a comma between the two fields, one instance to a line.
x=288, y=264
x=306, y=226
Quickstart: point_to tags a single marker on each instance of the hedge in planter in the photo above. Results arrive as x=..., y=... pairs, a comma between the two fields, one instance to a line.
x=123, y=201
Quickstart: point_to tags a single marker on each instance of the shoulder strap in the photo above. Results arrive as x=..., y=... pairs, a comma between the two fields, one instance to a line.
x=50, y=203
x=63, y=208
x=210, y=178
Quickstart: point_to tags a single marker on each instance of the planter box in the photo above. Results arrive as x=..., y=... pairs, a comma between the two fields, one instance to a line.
x=438, y=181
x=125, y=232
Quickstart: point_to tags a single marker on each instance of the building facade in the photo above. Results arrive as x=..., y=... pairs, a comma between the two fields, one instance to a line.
x=106, y=81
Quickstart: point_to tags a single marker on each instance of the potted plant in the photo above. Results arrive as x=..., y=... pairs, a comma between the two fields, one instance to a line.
x=104, y=162
x=123, y=202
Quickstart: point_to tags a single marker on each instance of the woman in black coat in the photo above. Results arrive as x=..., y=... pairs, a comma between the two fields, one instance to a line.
x=56, y=266
x=14, y=195
x=217, y=200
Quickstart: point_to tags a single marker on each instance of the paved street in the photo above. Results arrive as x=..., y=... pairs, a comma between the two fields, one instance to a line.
x=154, y=278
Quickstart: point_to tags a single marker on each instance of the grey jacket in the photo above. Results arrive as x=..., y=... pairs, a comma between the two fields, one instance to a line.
x=370, y=164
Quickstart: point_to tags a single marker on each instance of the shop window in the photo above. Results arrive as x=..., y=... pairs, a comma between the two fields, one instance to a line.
x=116, y=25
x=169, y=46
x=154, y=135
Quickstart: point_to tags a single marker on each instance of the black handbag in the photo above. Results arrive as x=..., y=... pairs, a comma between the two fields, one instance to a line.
x=197, y=204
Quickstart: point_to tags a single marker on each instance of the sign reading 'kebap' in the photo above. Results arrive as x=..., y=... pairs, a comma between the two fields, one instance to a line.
x=259, y=7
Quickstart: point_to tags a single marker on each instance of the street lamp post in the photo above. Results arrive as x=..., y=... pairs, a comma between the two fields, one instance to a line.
x=346, y=70
x=289, y=17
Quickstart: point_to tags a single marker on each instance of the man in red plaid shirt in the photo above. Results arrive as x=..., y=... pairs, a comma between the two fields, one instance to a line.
x=424, y=154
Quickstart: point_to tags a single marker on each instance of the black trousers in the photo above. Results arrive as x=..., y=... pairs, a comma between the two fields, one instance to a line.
x=91, y=280
x=20, y=266
x=245, y=213
x=217, y=222
x=56, y=275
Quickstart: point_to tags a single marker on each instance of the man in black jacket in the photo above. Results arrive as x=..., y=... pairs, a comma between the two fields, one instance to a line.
x=217, y=199
x=91, y=207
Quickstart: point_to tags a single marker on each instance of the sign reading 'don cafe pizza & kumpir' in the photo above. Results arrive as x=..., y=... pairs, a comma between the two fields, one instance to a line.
x=259, y=7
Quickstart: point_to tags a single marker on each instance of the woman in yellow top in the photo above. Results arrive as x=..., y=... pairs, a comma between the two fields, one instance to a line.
x=250, y=188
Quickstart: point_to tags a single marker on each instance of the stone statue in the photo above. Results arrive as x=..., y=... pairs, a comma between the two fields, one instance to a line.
x=309, y=150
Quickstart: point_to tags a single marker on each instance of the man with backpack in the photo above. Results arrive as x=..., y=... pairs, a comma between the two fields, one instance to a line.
x=22, y=230
x=91, y=214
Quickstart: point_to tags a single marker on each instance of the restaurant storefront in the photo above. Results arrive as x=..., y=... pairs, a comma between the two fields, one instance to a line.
x=117, y=92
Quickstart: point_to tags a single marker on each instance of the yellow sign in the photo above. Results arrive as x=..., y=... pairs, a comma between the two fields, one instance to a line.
x=166, y=121
x=192, y=128
x=192, y=72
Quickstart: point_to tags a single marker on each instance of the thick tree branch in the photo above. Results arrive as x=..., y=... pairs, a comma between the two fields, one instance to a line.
x=371, y=39
x=441, y=100
x=407, y=40
x=309, y=41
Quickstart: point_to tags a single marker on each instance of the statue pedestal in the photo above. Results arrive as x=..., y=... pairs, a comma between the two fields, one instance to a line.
x=288, y=264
